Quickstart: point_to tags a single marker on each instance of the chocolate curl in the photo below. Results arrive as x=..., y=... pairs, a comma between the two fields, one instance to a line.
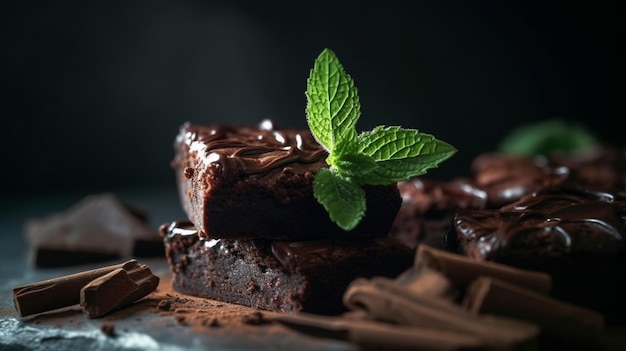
x=561, y=319
x=390, y=302
x=426, y=282
x=371, y=335
x=59, y=292
x=116, y=289
x=462, y=270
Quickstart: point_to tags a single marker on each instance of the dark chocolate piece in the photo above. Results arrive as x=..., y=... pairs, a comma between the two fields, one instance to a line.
x=244, y=182
x=373, y=335
x=562, y=320
x=387, y=301
x=576, y=236
x=116, y=289
x=461, y=270
x=277, y=275
x=99, y=228
x=59, y=292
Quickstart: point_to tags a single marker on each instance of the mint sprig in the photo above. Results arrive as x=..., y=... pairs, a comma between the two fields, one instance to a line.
x=382, y=156
x=548, y=137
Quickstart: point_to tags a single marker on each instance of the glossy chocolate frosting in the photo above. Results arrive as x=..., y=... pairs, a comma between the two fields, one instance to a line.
x=253, y=151
x=556, y=222
x=506, y=178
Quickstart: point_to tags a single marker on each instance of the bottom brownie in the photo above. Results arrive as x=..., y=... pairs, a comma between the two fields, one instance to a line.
x=308, y=276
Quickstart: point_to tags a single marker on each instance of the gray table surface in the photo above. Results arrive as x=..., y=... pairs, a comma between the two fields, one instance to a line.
x=140, y=330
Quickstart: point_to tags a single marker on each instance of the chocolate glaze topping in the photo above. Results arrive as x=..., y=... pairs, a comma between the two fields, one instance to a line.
x=254, y=151
x=555, y=222
x=507, y=178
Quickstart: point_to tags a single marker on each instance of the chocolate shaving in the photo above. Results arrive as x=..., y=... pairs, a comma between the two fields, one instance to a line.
x=461, y=270
x=564, y=320
x=59, y=292
x=116, y=289
x=371, y=335
x=425, y=281
x=387, y=301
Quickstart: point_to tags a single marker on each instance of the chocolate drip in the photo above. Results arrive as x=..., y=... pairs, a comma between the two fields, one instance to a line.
x=289, y=252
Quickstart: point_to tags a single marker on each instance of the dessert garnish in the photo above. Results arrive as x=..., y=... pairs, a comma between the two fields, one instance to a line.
x=548, y=137
x=382, y=156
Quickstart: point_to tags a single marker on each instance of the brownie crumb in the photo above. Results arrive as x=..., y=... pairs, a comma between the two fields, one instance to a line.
x=108, y=329
x=164, y=305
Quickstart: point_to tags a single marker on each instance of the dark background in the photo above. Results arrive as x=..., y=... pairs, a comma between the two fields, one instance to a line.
x=93, y=93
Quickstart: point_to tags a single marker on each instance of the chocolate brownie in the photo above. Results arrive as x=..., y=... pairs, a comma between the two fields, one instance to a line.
x=508, y=177
x=276, y=275
x=578, y=236
x=428, y=206
x=245, y=182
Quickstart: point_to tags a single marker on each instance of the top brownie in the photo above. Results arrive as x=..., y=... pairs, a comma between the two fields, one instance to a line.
x=239, y=181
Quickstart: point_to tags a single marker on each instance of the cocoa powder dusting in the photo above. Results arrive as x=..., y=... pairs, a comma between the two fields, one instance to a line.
x=204, y=313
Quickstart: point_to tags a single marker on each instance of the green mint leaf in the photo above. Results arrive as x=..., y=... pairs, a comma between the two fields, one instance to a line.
x=355, y=165
x=332, y=105
x=343, y=199
x=401, y=154
x=547, y=137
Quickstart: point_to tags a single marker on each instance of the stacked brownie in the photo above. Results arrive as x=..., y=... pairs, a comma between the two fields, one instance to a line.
x=255, y=234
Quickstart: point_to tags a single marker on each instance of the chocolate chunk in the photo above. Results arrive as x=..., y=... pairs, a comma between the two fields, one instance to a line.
x=562, y=320
x=117, y=289
x=98, y=228
x=387, y=301
x=58, y=292
x=461, y=270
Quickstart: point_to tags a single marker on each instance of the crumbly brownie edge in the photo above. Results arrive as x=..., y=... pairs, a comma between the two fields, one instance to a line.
x=246, y=272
